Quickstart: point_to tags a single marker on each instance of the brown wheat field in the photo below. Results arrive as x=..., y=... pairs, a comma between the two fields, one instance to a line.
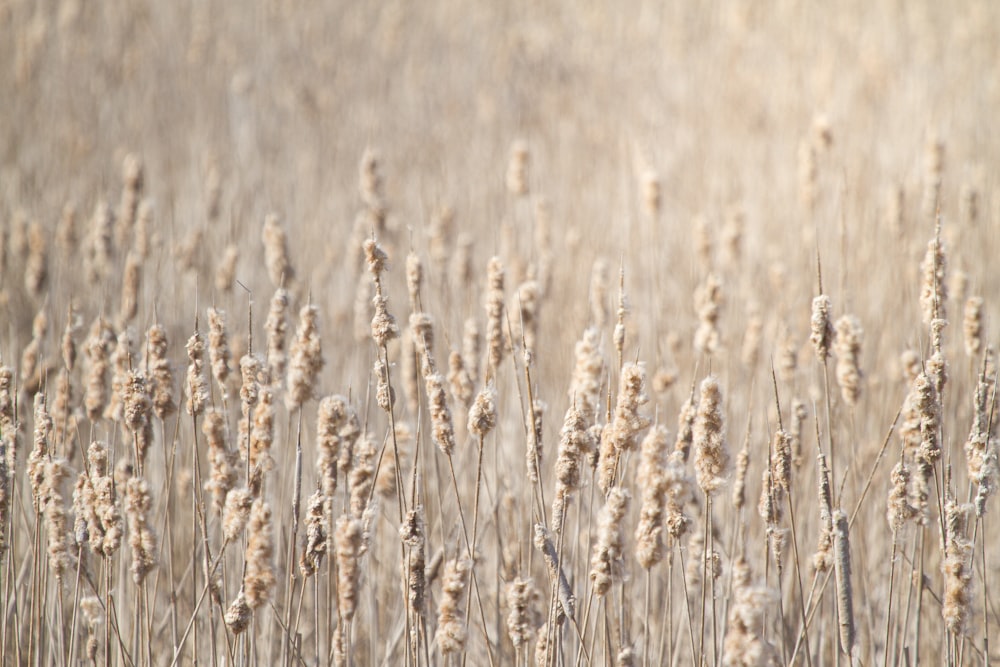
x=512, y=333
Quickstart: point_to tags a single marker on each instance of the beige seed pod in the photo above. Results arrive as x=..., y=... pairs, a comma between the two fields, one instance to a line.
x=276, y=257
x=711, y=457
x=972, y=326
x=197, y=386
x=142, y=539
x=842, y=568
x=848, y=349
x=607, y=564
x=452, y=632
x=225, y=275
x=307, y=359
x=259, y=578
x=822, y=335
x=483, y=413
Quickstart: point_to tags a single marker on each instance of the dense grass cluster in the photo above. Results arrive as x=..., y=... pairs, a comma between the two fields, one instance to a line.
x=438, y=334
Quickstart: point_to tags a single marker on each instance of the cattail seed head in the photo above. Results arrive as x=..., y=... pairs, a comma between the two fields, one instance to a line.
x=276, y=258
x=848, y=349
x=972, y=325
x=711, y=458
x=452, y=632
x=307, y=359
x=822, y=329
x=259, y=578
x=197, y=386
x=845, y=595
x=607, y=564
x=483, y=413
x=142, y=539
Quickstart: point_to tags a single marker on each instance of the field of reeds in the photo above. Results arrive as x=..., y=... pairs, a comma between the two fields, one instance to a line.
x=499, y=333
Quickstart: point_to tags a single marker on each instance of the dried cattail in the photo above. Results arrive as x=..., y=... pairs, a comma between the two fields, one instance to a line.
x=99, y=250
x=521, y=597
x=685, y=425
x=218, y=348
x=988, y=476
x=842, y=568
x=679, y=490
x=957, y=607
x=250, y=367
x=362, y=476
x=136, y=409
x=607, y=564
x=822, y=328
x=441, y=421
x=385, y=395
x=349, y=537
x=799, y=415
x=225, y=275
x=781, y=459
x=142, y=539
x=823, y=558
x=750, y=352
x=528, y=297
x=131, y=279
x=533, y=446
x=585, y=385
x=63, y=416
x=461, y=260
x=622, y=434
x=978, y=441
x=262, y=433
x=543, y=543
x=483, y=413
x=307, y=359
x=744, y=644
x=649, y=534
x=40, y=451
x=739, y=496
x=599, y=279
x=259, y=578
x=276, y=327
x=848, y=349
x=121, y=363
x=333, y=413
x=452, y=631
x=105, y=536
x=7, y=426
x=239, y=614
x=575, y=443
x=54, y=507
x=93, y=618
x=221, y=460
x=494, y=304
x=701, y=561
x=159, y=372
x=459, y=380
x=414, y=279
x=899, y=509
x=972, y=325
x=133, y=180
x=707, y=303
x=412, y=534
x=711, y=456
x=787, y=354
x=370, y=183
x=236, y=513
x=933, y=288
x=518, y=162
x=621, y=314
x=276, y=257
x=197, y=386
x=144, y=224
x=97, y=348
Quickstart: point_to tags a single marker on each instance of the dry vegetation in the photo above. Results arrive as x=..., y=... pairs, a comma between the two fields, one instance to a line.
x=473, y=333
